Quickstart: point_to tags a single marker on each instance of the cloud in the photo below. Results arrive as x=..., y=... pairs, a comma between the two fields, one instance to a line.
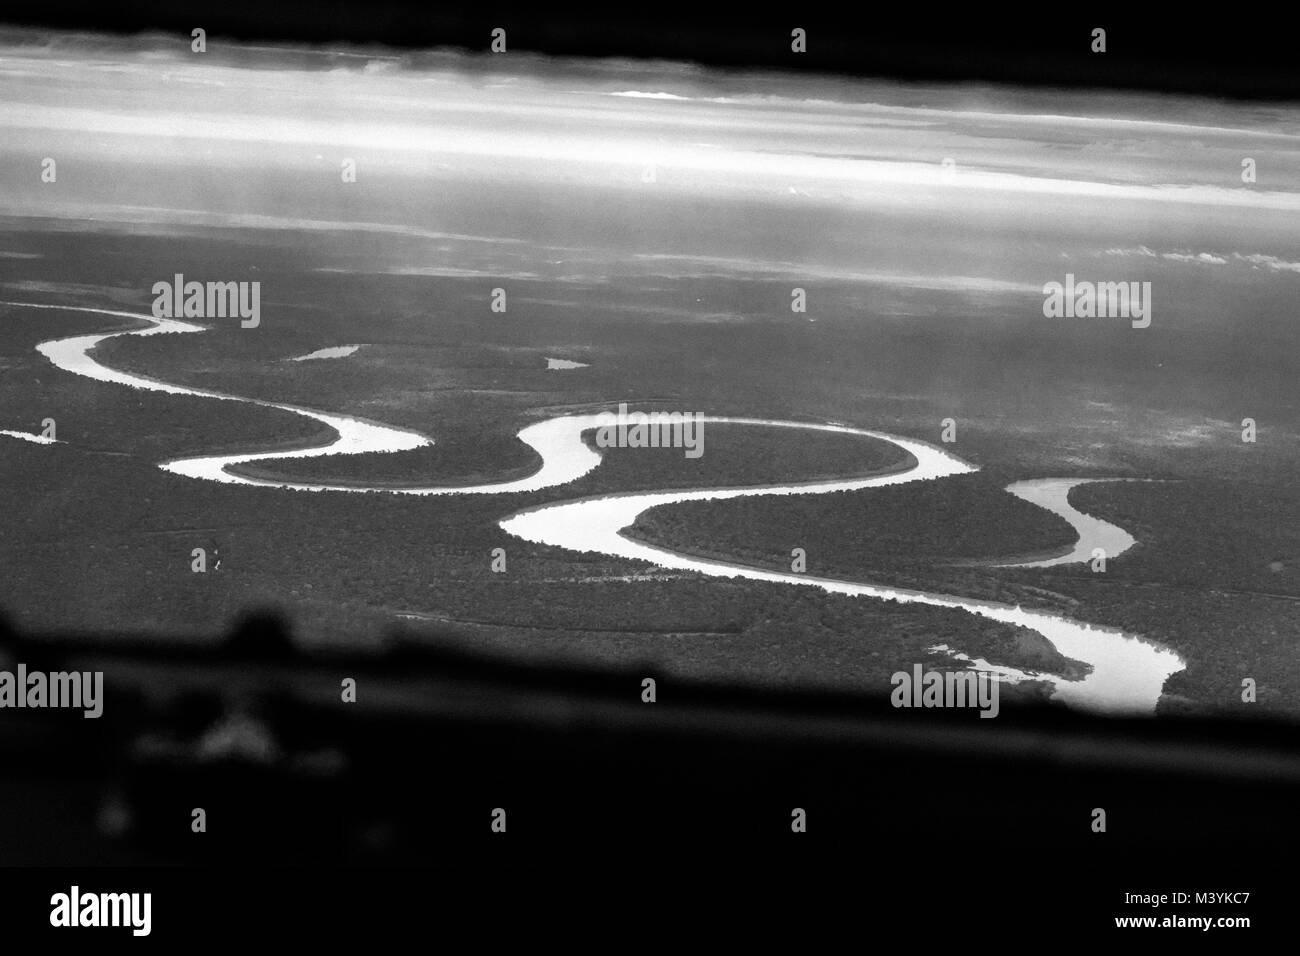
x=1273, y=262
x=1255, y=259
x=1204, y=257
x=637, y=94
x=701, y=266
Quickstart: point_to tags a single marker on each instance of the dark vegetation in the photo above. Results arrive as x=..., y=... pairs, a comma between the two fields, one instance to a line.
x=1213, y=574
x=913, y=525
x=93, y=535
x=760, y=455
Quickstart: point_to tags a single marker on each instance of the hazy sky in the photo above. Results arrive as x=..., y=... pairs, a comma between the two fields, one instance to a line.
x=517, y=164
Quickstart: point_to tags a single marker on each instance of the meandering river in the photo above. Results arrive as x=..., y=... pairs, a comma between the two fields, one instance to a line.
x=1127, y=673
x=1054, y=495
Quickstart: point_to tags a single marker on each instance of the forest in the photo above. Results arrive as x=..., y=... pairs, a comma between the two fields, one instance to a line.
x=94, y=535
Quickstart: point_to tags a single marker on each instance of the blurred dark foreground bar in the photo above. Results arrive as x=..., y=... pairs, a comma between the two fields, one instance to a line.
x=259, y=737
x=915, y=812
